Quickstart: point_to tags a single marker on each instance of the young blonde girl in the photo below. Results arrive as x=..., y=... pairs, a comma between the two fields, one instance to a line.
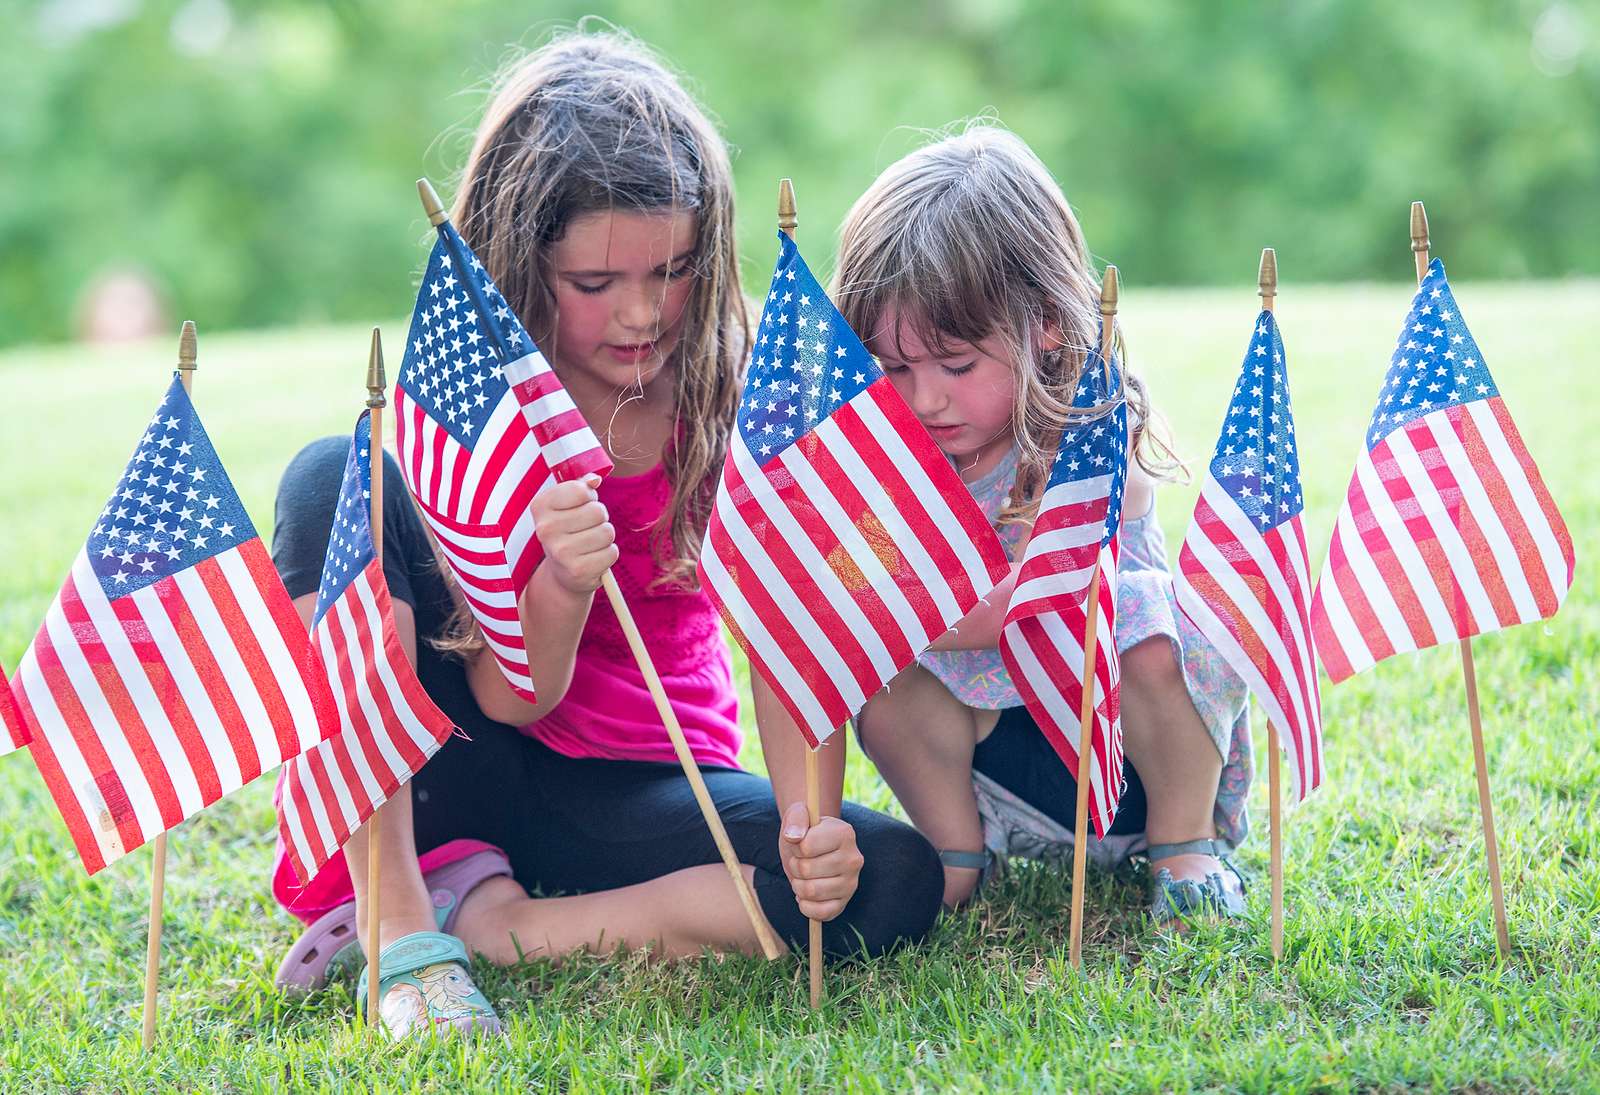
x=966, y=273
x=599, y=198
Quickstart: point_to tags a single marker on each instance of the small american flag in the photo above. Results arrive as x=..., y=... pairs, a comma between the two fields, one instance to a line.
x=167, y=671
x=1074, y=533
x=10, y=721
x=471, y=383
x=1244, y=577
x=842, y=542
x=389, y=726
x=1447, y=530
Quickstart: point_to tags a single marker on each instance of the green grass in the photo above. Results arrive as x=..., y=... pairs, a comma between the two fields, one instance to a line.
x=1390, y=981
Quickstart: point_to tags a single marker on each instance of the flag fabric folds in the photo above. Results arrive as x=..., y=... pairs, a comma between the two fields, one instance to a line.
x=841, y=542
x=482, y=425
x=1074, y=534
x=388, y=725
x=1447, y=529
x=167, y=670
x=1244, y=576
x=13, y=736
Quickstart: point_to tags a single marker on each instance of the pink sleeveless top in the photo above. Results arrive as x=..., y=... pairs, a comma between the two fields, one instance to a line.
x=607, y=712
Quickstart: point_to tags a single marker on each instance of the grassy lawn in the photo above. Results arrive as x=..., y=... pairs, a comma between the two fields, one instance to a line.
x=1390, y=981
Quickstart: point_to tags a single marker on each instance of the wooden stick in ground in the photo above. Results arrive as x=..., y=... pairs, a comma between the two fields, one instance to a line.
x=376, y=384
x=708, y=809
x=788, y=221
x=814, y=813
x=187, y=357
x=1419, y=249
x=1080, y=828
x=1267, y=286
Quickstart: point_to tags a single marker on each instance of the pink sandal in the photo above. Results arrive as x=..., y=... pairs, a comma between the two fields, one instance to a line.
x=330, y=940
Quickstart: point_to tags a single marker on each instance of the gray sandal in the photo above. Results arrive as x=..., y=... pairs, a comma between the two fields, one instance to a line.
x=1173, y=900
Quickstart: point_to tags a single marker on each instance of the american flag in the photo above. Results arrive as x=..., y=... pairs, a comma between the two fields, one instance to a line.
x=1074, y=533
x=167, y=671
x=1244, y=577
x=842, y=542
x=1447, y=529
x=388, y=725
x=471, y=383
x=10, y=721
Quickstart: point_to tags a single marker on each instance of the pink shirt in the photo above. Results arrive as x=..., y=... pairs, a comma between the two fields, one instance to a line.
x=607, y=711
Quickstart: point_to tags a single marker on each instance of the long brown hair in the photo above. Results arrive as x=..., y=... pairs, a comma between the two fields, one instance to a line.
x=592, y=122
x=970, y=238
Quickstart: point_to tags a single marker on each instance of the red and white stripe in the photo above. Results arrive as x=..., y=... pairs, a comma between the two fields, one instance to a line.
x=15, y=736
x=1249, y=593
x=1446, y=531
x=1042, y=647
x=389, y=727
x=476, y=500
x=845, y=556
x=151, y=707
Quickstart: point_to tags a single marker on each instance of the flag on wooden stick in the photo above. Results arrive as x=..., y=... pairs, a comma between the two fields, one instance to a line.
x=468, y=452
x=1074, y=534
x=841, y=542
x=388, y=725
x=1244, y=577
x=1447, y=529
x=14, y=736
x=167, y=671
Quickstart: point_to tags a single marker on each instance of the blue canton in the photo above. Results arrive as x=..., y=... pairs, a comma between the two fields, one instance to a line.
x=455, y=350
x=1099, y=445
x=1436, y=364
x=350, y=542
x=806, y=362
x=1256, y=462
x=173, y=508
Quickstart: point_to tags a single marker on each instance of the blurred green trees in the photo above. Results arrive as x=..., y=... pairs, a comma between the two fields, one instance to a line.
x=256, y=158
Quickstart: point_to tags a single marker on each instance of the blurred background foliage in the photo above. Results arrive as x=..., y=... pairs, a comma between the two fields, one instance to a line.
x=253, y=161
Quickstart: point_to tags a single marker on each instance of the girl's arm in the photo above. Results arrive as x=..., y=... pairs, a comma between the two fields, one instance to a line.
x=980, y=628
x=822, y=861
x=579, y=546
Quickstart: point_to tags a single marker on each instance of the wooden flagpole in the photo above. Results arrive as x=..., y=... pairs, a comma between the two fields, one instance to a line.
x=1267, y=286
x=691, y=770
x=788, y=221
x=376, y=383
x=1419, y=249
x=188, y=355
x=1108, y=315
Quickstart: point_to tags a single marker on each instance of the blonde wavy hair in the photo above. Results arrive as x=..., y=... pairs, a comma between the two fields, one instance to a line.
x=970, y=238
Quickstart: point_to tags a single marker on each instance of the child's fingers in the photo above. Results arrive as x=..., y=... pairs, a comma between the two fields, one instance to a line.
x=823, y=889
x=566, y=496
x=589, y=541
x=821, y=910
x=827, y=835
x=844, y=862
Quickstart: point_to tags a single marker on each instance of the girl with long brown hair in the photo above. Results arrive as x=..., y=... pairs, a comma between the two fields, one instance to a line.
x=599, y=198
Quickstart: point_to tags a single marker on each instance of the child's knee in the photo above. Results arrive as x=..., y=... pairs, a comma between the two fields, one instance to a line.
x=902, y=886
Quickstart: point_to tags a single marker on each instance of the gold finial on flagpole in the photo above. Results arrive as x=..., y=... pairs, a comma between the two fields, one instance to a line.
x=1109, y=292
x=188, y=354
x=1419, y=238
x=1267, y=277
x=377, y=385
x=788, y=220
x=431, y=203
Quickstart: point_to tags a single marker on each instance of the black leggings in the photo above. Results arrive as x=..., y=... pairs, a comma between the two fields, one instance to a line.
x=571, y=826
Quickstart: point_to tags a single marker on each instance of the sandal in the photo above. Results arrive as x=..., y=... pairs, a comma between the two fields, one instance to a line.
x=330, y=941
x=1173, y=900
x=426, y=987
